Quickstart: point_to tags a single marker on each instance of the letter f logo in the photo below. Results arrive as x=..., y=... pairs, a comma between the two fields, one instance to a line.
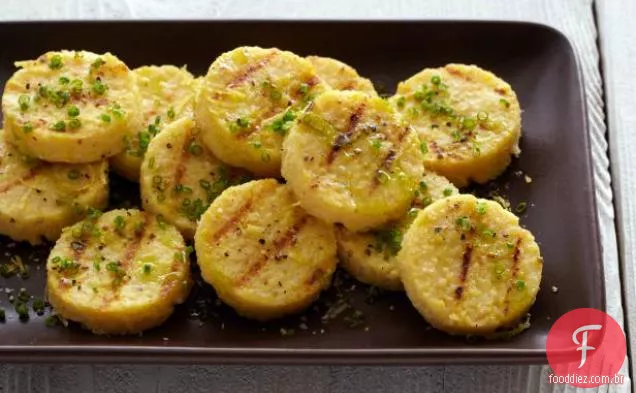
x=584, y=347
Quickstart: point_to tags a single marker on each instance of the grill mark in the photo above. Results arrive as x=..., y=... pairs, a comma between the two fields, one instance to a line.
x=345, y=137
x=402, y=134
x=458, y=73
x=279, y=245
x=234, y=219
x=435, y=148
x=466, y=257
x=515, y=270
x=315, y=276
x=9, y=185
x=388, y=159
x=246, y=73
x=500, y=91
x=129, y=255
x=313, y=81
x=167, y=285
x=133, y=247
x=349, y=85
x=181, y=162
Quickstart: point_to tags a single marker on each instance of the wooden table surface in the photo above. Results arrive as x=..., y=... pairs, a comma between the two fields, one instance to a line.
x=588, y=24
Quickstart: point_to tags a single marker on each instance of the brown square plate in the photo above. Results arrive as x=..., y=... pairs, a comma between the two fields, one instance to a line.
x=539, y=63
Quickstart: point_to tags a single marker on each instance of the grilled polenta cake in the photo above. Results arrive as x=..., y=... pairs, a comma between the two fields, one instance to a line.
x=340, y=76
x=248, y=101
x=264, y=255
x=180, y=177
x=70, y=106
x=38, y=199
x=468, y=120
x=370, y=256
x=350, y=159
x=118, y=273
x=167, y=94
x=468, y=267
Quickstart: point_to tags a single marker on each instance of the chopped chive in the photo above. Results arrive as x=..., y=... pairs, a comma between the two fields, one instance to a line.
x=22, y=310
x=55, y=62
x=482, y=116
x=74, y=124
x=488, y=233
x=464, y=223
x=52, y=321
x=97, y=63
x=424, y=147
x=38, y=306
x=147, y=268
x=98, y=87
x=195, y=149
x=24, y=100
x=73, y=174
x=520, y=284
x=63, y=80
x=482, y=208
x=171, y=113
x=105, y=118
x=303, y=89
x=504, y=102
x=119, y=223
x=521, y=207
x=76, y=86
x=242, y=122
x=436, y=80
x=447, y=192
x=401, y=102
x=58, y=126
x=73, y=111
x=27, y=127
x=469, y=123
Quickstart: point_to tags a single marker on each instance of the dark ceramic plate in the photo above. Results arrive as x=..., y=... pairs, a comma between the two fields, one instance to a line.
x=538, y=62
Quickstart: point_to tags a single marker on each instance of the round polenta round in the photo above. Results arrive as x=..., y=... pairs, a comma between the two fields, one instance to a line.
x=166, y=95
x=70, y=106
x=340, y=76
x=468, y=267
x=370, y=256
x=468, y=120
x=118, y=273
x=351, y=160
x=264, y=255
x=38, y=199
x=247, y=102
x=180, y=177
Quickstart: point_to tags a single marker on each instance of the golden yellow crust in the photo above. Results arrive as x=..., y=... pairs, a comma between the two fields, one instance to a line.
x=119, y=273
x=370, y=256
x=38, y=199
x=166, y=95
x=247, y=102
x=70, y=106
x=180, y=177
x=340, y=76
x=468, y=120
x=264, y=255
x=351, y=160
x=468, y=267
